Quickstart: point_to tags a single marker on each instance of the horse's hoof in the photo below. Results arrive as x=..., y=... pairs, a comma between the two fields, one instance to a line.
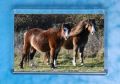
x=80, y=61
x=52, y=66
x=21, y=66
x=32, y=65
x=81, y=64
x=47, y=63
x=55, y=66
x=74, y=64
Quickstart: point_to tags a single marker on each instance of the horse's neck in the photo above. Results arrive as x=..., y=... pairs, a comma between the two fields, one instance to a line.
x=84, y=33
x=59, y=32
x=55, y=31
x=77, y=29
x=81, y=28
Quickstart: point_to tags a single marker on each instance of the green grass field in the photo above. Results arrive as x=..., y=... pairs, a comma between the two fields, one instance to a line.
x=91, y=64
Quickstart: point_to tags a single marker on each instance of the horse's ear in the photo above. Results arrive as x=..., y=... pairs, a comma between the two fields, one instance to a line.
x=88, y=20
x=86, y=23
x=59, y=25
x=93, y=21
x=72, y=25
x=62, y=25
x=86, y=26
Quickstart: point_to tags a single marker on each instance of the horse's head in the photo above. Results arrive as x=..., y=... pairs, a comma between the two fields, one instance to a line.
x=84, y=25
x=89, y=25
x=66, y=28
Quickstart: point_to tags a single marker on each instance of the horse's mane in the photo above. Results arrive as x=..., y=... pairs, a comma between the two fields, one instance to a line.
x=54, y=29
x=78, y=28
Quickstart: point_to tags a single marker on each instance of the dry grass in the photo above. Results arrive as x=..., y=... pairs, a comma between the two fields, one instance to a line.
x=92, y=64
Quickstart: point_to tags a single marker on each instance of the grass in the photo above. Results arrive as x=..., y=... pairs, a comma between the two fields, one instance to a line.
x=91, y=64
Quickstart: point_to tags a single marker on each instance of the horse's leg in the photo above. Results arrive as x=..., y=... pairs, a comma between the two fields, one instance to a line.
x=47, y=57
x=81, y=56
x=75, y=53
x=21, y=63
x=32, y=53
x=26, y=49
x=56, y=55
x=52, y=55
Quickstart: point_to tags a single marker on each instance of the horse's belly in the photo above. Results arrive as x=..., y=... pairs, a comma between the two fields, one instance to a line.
x=40, y=44
x=44, y=47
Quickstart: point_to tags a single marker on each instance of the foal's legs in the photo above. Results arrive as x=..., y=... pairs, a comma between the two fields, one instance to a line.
x=56, y=55
x=75, y=53
x=81, y=56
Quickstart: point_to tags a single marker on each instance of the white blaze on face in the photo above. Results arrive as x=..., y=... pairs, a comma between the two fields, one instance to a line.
x=92, y=30
x=66, y=32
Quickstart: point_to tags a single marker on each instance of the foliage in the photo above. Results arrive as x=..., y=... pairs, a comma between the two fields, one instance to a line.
x=25, y=21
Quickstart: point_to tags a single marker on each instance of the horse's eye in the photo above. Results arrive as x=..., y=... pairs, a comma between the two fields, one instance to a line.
x=65, y=29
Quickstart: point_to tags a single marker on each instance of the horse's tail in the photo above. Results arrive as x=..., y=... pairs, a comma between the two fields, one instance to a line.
x=25, y=45
x=24, y=37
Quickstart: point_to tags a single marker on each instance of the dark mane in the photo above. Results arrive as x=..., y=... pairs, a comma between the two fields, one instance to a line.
x=78, y=28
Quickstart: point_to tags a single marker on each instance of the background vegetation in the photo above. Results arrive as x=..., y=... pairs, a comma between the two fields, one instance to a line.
x=94, y=50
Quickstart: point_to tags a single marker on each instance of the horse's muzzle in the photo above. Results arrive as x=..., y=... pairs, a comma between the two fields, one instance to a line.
x=66, y=37
x=92, y=33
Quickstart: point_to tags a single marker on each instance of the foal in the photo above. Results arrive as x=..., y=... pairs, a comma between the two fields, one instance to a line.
x=44, y=40
x=78, y=39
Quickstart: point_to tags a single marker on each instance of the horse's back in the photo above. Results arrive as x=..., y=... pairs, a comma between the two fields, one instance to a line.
x=42, y=40
x=39, y=40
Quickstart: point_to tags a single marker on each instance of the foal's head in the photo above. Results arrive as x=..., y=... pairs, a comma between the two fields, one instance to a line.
x=84, y=25
x=89, y=26
x=66, y=28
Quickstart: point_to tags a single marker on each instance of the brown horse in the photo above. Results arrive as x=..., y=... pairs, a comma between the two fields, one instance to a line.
x=77, y=40
x=44, y=41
